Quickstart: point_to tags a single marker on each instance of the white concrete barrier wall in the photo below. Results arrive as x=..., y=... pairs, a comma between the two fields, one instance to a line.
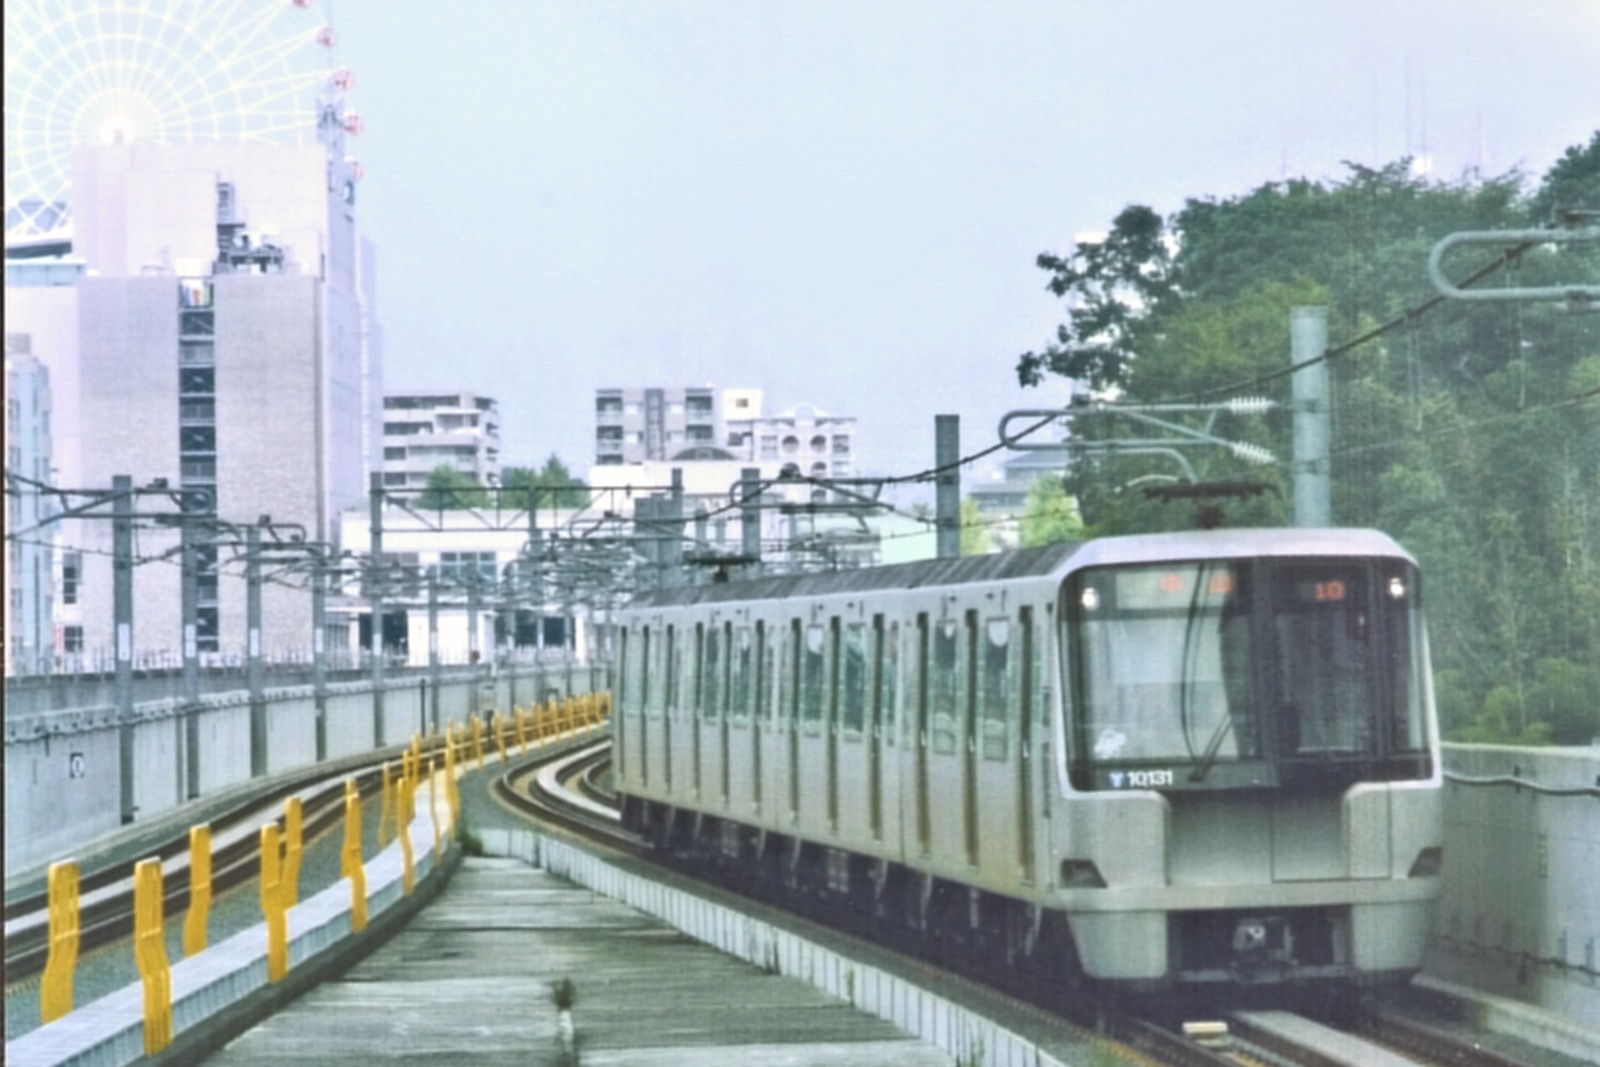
x=63, y=789
x=1520, y=915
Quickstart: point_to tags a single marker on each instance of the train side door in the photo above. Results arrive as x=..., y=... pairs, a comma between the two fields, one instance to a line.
x=1027, y=701
x=919, y=741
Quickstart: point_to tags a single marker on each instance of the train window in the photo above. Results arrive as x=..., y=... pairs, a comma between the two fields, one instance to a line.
x=644, y=670
x=813, y=683
x=671, y=687
x=854, y=697
x=739, y=667
x=888, y=676
x=995, y=696
x=789, y=682
x=711, y=672
x=764, y=672
x=1401, y=597
x=1164, y=658
x=945, y=684
x=1322, y=626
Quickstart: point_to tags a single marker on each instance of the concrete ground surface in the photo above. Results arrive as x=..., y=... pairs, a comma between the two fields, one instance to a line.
x=474, y=979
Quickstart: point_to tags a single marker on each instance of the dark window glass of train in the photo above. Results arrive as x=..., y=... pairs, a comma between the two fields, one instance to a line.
x=813, y=688
x=994, y=696
x=945, y=704
x=739, y=687
x=790, y=692
x=1324, y=658
x=671, y=694
x=711, y=687
x=763, y=685
x=889, y=678
x=1400, y=593
x=854, y=703
x=644, y=671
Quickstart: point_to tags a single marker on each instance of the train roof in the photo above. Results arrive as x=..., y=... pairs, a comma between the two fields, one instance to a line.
x=997, y=566
x=1035, y=562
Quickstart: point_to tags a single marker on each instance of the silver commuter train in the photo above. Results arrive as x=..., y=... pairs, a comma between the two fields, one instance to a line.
x=1148, y=761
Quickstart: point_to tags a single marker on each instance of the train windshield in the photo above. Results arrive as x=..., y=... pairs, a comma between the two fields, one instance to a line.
x=1241, y=673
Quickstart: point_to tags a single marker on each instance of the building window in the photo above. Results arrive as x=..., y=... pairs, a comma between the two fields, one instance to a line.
x=463, y=568
x=819, y=443
x=72, y=639
x=197, y=323
x=197, y=381
x=192, y=353
x=71, y=574
x=394, y=453
x=194, y=293
x=841, y=444
x=791, y=445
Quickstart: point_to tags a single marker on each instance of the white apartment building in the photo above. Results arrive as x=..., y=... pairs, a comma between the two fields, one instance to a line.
x=421, y=431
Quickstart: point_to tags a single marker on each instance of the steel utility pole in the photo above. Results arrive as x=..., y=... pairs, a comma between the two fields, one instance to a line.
x=122, y=620
x=1308, y=339
x=258, y=702
x=375, y=596
x=750, y=517
x=947, y=484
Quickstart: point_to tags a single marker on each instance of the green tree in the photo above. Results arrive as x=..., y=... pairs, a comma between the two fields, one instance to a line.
x=448, y=489
x=558, y=487
x=1469, y=431
x=1049, y=516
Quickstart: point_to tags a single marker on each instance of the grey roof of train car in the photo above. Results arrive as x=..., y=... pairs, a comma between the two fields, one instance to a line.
x=1022, y=563
x=1031, y=562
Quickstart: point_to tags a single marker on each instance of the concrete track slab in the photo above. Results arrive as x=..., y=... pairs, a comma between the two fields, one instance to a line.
x=472, y=980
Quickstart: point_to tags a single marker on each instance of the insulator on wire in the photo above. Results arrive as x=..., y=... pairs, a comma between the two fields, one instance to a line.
x=1252, y=453
x=1250, y=405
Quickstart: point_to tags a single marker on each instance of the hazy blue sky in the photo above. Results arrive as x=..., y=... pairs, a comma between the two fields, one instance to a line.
x=841, y=202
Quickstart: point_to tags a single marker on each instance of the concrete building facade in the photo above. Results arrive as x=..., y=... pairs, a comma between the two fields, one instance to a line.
x=219, y=340
x=422, y=431
x=30, y=555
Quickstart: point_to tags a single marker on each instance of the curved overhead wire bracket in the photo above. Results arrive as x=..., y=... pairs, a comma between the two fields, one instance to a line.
x=1579, y=296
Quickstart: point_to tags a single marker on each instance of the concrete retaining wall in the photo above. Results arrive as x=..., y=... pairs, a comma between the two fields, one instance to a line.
x=63, y=785
x=1520, y=915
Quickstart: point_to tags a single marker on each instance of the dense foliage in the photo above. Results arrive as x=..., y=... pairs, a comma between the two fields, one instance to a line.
x=555, y=484
x=1468, y=431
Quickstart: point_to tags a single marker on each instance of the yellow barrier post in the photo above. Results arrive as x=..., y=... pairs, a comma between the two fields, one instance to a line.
x=522, y=736
x=293, y=850
x=497, y=727
x=385, y=813
x=194, y=923
x=55, y=988
x=150, y=953
x=433, y=807
x=408, y=862
x=477, y=740
x=450, y=795
x=350, y=865
x=272, y=909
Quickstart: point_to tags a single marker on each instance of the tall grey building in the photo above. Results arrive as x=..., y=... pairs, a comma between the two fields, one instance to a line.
x=226, y=343
x=30, y=557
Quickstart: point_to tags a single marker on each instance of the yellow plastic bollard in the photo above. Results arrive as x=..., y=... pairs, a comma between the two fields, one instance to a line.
x=450, y=790
x=408, y=862
x=433, y=807
x=195, y=922
x=150, y=953
x=522, y=735
x=386, y=812
x=272, y=909
x=350, y=863
x=293, y=850
x=55, y=988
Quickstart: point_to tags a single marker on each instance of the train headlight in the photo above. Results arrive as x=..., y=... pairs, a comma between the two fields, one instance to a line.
x=1090, y=599
x=1397, y=588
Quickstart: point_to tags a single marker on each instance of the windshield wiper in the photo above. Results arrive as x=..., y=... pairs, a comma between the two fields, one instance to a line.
x=1213, y=748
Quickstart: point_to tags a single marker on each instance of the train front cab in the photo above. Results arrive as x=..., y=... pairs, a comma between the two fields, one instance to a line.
x=1250, y=770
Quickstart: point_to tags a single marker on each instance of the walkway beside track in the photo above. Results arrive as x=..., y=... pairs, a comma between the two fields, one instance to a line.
x=474, y=977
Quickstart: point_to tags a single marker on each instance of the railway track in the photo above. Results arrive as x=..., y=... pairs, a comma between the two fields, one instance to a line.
x=573, y=791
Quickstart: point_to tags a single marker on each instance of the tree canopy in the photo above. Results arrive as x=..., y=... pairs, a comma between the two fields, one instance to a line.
x=448, y=489
x=557, y=485
x=1469, y=431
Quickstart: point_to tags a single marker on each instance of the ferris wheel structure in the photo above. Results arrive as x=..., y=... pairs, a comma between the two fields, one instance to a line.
x=81, y=72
